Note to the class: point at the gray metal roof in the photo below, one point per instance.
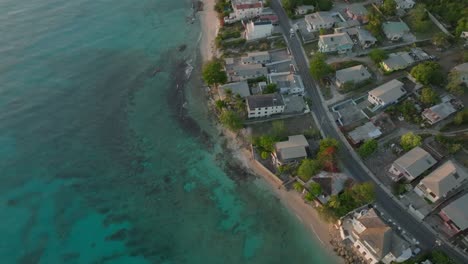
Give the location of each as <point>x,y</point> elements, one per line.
<point>264,100</point>
<point>457,212</point>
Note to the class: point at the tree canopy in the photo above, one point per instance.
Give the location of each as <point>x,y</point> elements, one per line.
<point>389,7</point>
<point>440,40</point>
<point>270,88</point>
<point>368,147</point>
<point>375,24</point>
<point>213,72</point>
<point>315,189</point>
<point>428,72</point>
<point>308,168</point>
<point>410,140</point>
<point>429,97</point>
<point>455,84</point>
<point>461,117</point>
<point>419,19</point>
<point>378,55</point>
<point>328,142</point>
<point>231,120</point>
<point>319,67</point>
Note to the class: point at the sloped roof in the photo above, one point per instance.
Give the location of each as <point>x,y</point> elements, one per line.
<point>398,60</point>
<point>331,183</point>
<point>294,147</point>
<point>461,67</point>
<point>416,161</point>
<point>439,112</point>
<point>364,132</point>
<point>390,91</point>
<point>358,10</point>
<point>377,234</point>
<point>356,74</point>
<point>241,88</point>
<point>391,27</point>
<point>457,212</point>
<point>445,178</point>
<point>336,39</point>
<point>319,18</point>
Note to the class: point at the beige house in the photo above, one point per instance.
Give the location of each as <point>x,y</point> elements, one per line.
<point>290,151</point>
<point>338,42</point>
<point>412,164</point>
<point>373,238</point>
<point>397,61</point>
<point>441,181</point>
<point>387,93</point>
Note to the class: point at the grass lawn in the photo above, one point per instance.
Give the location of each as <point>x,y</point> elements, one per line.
<point>294,125</point>
<point>310,47</point>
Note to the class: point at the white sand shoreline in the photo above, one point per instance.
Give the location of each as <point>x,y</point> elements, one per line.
<point>307,215</point>
<point>209,25</point>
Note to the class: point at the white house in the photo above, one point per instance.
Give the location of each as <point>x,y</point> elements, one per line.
<point>365,38</point>
<point>447,177</point>
<point>244,9</point>
<point>438,112</point>
<point>412,164</point>
<point>373,238</point>
<point>287,82</point>
<point>395,30</point>
<point>319,20</point>
<point>264,105</point>
<point>290,151</point>
<point>258,29</point>
<point>356,74</point>
<point>304,9</point>
<point>387,93</point>
<point>261,57</point>
<point>462,70</point>
<point>404,4</point>
<point>338,42</point>
<point>364,132</point>
<point>397,61</point>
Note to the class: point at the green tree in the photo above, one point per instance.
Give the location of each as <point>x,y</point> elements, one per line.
<point>231,120</point>
<point>298,186</point>
<point>428,72</point>
<point>429,96</point>
<point>328,142</point>
<point>419,19</point>
<point>322,31</point>
<point>410,140</point>
<point>309,197</point>
<point>461,117</point>
<point>455,84</point>
<point>440,40</point>
<point>270,88</point>
<point>364,192</point>
<point>308,168</point>
<point>439,257</point>
<point>375,23</point>
<point>318,66</point>
<point>368,147</point>
<point>389,7</point>
<point>462,25</point>
<point>265,143</point>
<point>334,202</point>
<point>264,155</point>
<point>213,73</point>
<point>315,189</point>
<point>378,55</point>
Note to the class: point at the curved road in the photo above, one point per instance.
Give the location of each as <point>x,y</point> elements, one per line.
<point>425,236</point>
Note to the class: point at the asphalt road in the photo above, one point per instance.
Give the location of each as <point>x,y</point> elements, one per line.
<point>396,212</point>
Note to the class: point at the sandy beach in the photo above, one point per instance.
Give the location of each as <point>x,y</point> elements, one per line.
<point>306,214</point>
<point>209,24</point>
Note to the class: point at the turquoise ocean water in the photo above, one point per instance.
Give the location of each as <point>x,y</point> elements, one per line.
<point>95,166</point>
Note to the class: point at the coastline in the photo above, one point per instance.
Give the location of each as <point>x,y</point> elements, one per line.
<point>209,29</point>
<point>305,213</point>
